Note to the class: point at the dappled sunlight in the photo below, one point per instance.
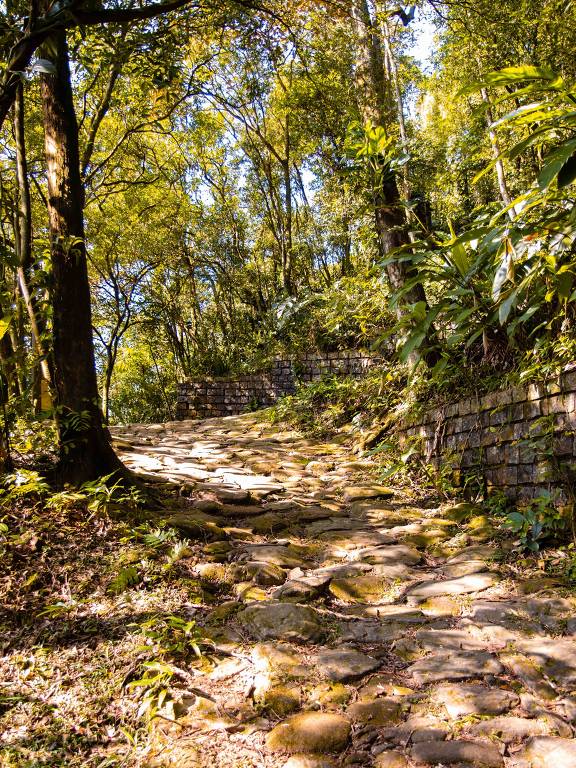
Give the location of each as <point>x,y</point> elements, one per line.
<point>335,616</point>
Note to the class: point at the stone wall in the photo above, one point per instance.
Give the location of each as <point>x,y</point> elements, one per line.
<point>520,440</point>
<point>202,398</point>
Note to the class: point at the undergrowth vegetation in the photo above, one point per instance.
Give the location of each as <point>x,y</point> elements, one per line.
<point>97,627</point>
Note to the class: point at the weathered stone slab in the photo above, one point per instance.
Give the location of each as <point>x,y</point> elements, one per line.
<point>454,666</point>
<point>354,539</point>
<point>344,665</point>
<point>333,524</point>
<point>310,732</point>
<point>530,674</point>
<point>391,554</point>
<point>478,552</point>
<point>468,699</point>
<point>467,568</point>
<point>378,713</point>
<point>555,656</point>
<point>448,639</point>
<point>280,659</point>
<point>343,571</point>
<point>287,621</point>
<point>393,573</point>
<point>310,761</point>
<point>301,589</point>
<point>265,574</point>
<point>415,729</point>
<point>464,585</point>
<point>270,522</point>
<point>370,632</point>
<point>549,752</point>
<point>360,589</point>
<point>471,753</point>
<point>362,492</point>
<point>197,526</point>
<point>510,729</point>
<point>390,760</point>
<point>285,557</point>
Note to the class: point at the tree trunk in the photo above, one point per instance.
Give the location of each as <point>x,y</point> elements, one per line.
<point>393,68</point>
<point>505,195</point>
<point>85,450</point>
<point>390,221</point>
<point>23,234</point>
<point>287,234</point>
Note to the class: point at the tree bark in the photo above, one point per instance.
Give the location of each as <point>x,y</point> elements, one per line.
<point>85,450</point>
<point>390,220</point>
<point>505,195</point>
<point>23,234</point>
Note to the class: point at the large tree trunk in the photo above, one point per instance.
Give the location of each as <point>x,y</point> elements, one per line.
<point>389,217</point>
<point>85,450</point>
<point>23,235</point>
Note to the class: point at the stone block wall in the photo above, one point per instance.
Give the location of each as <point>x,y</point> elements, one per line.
<point>520,440</point>
<point>203,398</point>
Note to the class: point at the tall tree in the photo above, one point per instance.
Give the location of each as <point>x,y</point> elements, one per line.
<point>85,450</point>
<point>389,208</point>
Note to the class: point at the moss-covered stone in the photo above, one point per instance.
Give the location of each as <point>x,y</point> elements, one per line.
<point>281,700</point>
<point>270,522</point>
<point>359,589</point>
<point>196,526</point>
<point>223,612</point>
<point>271,620</point>
<point>378,713</point>
<point>359,493</point>
<point>248,592</point>
<point>316,732</point>
<point>330,695</point>
<point>461,512</point>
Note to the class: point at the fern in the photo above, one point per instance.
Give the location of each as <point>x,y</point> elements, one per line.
<point>125,578</point>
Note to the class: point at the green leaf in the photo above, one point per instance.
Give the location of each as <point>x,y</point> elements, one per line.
<point>567,173</point>
<point>126,577</point>
<point>414,341</point>
<point>525,109</point>
<point>485,170</point>
<point>514,76</point>
<point>5,325</point>
<point>555,162</point>
<point>419,311</point>
<point>501,274</point>
<point>523,145</point>
<point>460,259</point>
<point>564,283</point>
<point>506,306</point>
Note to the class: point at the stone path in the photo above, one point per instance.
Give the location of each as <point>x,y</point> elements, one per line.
<point>351,624</point>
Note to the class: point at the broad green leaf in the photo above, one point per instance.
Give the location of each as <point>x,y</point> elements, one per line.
<point>484,171</point>
<point>567,173</point>
<point>555,161</point>
<point>460,259</point>
<point>419,311</point>
<point>501,274</point>
<point>514,76</point>
<point>523,145</point>
<point>506,306</point>
<point>564,283</point>
<point>413,342</point>
<point>525,109</point>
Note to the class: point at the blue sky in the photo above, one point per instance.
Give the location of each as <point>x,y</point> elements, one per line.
<point>423,47</point>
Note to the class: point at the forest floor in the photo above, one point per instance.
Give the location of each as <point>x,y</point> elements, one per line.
<point>284,610</point>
